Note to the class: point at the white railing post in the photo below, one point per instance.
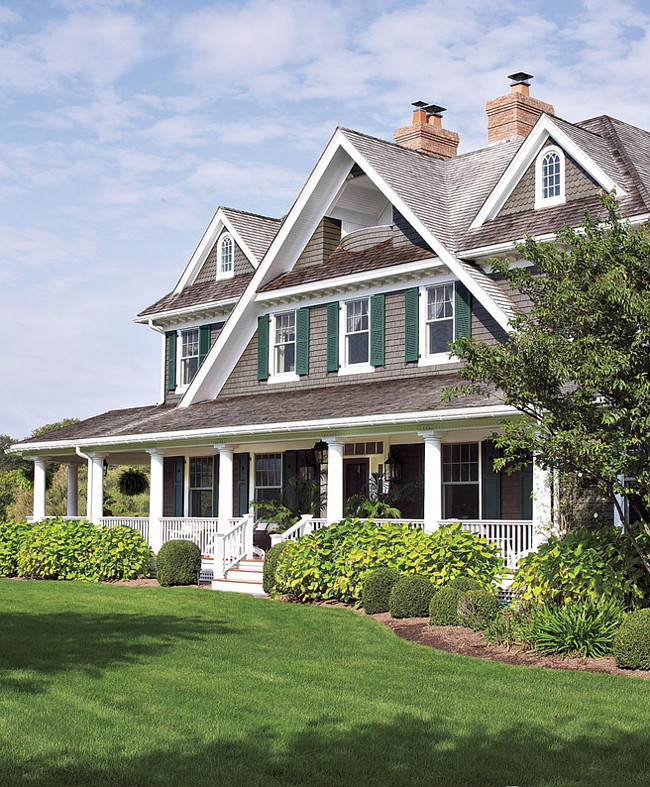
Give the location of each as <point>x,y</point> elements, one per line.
<point>432,480</point>
<point>218,563</point>
<point>39,488</point>
<point>334,479</point>
<point>73,489</point>
<point>156,489</point>
<point>226,501</point>
<point>249,525</point>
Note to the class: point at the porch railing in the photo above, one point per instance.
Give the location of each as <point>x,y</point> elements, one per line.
<point>201,530</point>
<point>233,546</point>
<point>139,523</point>
<point>513,537</point>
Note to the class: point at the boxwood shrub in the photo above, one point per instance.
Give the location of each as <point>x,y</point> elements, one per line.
<point>465,583</point>
<point>270,562</point>
<point>12,534</point>
<point>377,587</point>
<point>443,609</point>
<point>410,597</point>
<point>477,608</point>
<point>178,562</point>
<point>332,563</point>
<point>632,644</point>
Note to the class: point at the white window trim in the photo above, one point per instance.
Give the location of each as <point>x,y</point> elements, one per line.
<point>560,199</point>
<point>180,387</point>
<point>275,376</point>
<point>225,274</point>
<point>436,359</point>
<point>344,367</point>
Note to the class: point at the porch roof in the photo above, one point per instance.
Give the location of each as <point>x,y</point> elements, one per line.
<point>288,408</point>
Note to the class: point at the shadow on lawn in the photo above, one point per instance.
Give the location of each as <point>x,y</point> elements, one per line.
<point>407,751</point>
<point>58,642</point>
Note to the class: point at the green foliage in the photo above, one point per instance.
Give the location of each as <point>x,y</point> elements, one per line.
<point>59,549</point>
<point>276,513</point>
<point>576,366</point>
<point>121,553</point>
<point>270,562</point>
<point>332,563</point>
<point>632,644</point>
<point>583,627</point>
<point>443,609</point>
<point>178,562</point>
<point>410,597</point>
<point>477,608</point>
<point>465,583</point>
<point>361,506</point>
<point>583,564</point>
<point>12,535</point>
<point>376,589</point>
<point>133,481</point>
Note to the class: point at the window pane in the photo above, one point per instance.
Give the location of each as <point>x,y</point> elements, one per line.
<point>358,348</point>
<point>461,501</point>
<point>441,333</point>
<point>285,342</point>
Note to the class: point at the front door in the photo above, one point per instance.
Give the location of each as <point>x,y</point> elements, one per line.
<point>355,477</point>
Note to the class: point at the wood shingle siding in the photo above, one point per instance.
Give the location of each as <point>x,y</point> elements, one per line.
<point>322,243</point>
<point>208,271</point>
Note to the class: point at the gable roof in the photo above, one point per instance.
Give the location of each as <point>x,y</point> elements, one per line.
<point>255,230</point>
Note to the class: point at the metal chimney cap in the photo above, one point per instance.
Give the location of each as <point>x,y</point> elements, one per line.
<point>520,78</point>
<point>419,104</point>
<point>434,109</point>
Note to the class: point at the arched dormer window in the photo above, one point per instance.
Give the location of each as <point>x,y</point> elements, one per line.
<point>549,177</point>
<point>226,265</point>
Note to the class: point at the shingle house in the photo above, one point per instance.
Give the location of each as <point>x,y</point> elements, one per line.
<point>316,346</point>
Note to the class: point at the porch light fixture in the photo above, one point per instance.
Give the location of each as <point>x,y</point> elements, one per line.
<point>393,469</point>
<point>320,452</point>
<point>105,468</point>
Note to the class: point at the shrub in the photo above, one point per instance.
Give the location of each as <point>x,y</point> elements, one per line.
<point>332,563</point>
<point>377,587</point>
<point>465,583</point>
<point>410,597</point>
<point>121,553</point>
<point>59,549</point>
<point>12,535</point>
<point>443,609</point>
<point>582,627</point>
<point>477,608</point>
<point>270,562</point>
<point>632,644</point>
<point>584,564</point>
<point>178,562</point>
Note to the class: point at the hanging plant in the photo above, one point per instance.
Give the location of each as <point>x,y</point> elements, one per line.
<point>133,481</point>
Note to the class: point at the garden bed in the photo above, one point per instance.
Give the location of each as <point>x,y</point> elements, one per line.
<point>465,642</point>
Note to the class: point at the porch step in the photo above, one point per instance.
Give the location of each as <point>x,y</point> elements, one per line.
<point>238,586</point>
<point>254,564</point>
<point>245,574</point>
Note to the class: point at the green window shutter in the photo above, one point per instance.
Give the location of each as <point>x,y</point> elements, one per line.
<point>377,330</point>
<point>263,347</point>
<point>171,361</point>
<point>490,481</point>
<point>289,474</point>
<point>463,312</point>
<point>411,324</point>
<point>333,337</point>
<point>241,491</point>
<point>204,342</point>
<point>179,477</point>
<point>302,341</point>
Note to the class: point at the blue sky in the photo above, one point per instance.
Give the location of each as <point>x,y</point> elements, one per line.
<point>126,124</point>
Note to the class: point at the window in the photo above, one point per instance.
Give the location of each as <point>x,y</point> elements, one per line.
<point>460,481</point>
<point>549,177</point>
<point>200,486</point>
<point>226,257</point>
<point>189,357</point>
<point>439,319</point>
<point>268,477</point>
<point>356,333</point>
<point>284,343</point>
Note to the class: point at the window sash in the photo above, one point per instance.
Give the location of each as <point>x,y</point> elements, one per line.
<point>189,358</point>
<point>460,480</point>
<point>551,176</point>
<point>268,476</point>
<point>284,346</point>
<point>357,332</point>
<point>226,256</point>
<point>200,486</point>
<point>439,321</point>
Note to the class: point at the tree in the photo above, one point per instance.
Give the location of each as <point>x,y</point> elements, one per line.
<point>577,365</point>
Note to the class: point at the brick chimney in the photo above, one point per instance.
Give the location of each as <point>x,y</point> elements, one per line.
<point>426,133</point>
<point>514,115</point>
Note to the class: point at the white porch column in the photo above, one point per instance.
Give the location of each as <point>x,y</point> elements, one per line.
<point>156,488</point>
<point>225,487</point>
<point>97,490</point>
<point>334,479</point>
<point>432,480</point>
<point>73,489</point>
<point>39,488</point>
<point>542,504</point>
<point>89,491</point>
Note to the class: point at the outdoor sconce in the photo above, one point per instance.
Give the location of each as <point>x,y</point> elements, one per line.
<point>393,469</point>
<point>320,452</point>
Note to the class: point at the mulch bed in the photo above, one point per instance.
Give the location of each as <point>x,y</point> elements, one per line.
<point>465,642</point>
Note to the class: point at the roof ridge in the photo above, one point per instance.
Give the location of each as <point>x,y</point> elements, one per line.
<point>250,213</point>
<point>629,163</point>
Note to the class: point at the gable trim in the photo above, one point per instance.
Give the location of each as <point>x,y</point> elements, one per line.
<point>526,155</point>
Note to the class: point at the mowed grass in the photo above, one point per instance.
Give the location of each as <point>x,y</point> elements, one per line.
<point>104,685</point>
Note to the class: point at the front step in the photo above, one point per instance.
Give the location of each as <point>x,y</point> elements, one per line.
<point>246,577</point>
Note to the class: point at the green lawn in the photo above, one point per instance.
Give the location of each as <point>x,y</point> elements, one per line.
<point>146,686</point>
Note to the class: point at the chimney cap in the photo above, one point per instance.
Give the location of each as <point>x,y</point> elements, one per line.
<point>418,104</point>
<point>520,78</point>
<point>434,109</point>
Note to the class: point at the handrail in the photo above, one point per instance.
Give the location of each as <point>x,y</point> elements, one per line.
<point>232,547</point>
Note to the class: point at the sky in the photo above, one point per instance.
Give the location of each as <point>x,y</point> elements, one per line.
<point>126,124</point>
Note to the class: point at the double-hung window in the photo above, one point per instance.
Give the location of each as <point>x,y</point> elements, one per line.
<point>356,337</point>
<point>200,486</point>
<point>189,356</point>
<point>439,319</point>
<point>268,477</point>
<point>460,481</point>
<point>284,343</point>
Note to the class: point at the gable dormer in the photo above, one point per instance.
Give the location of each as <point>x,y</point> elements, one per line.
<point>225,260</point>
